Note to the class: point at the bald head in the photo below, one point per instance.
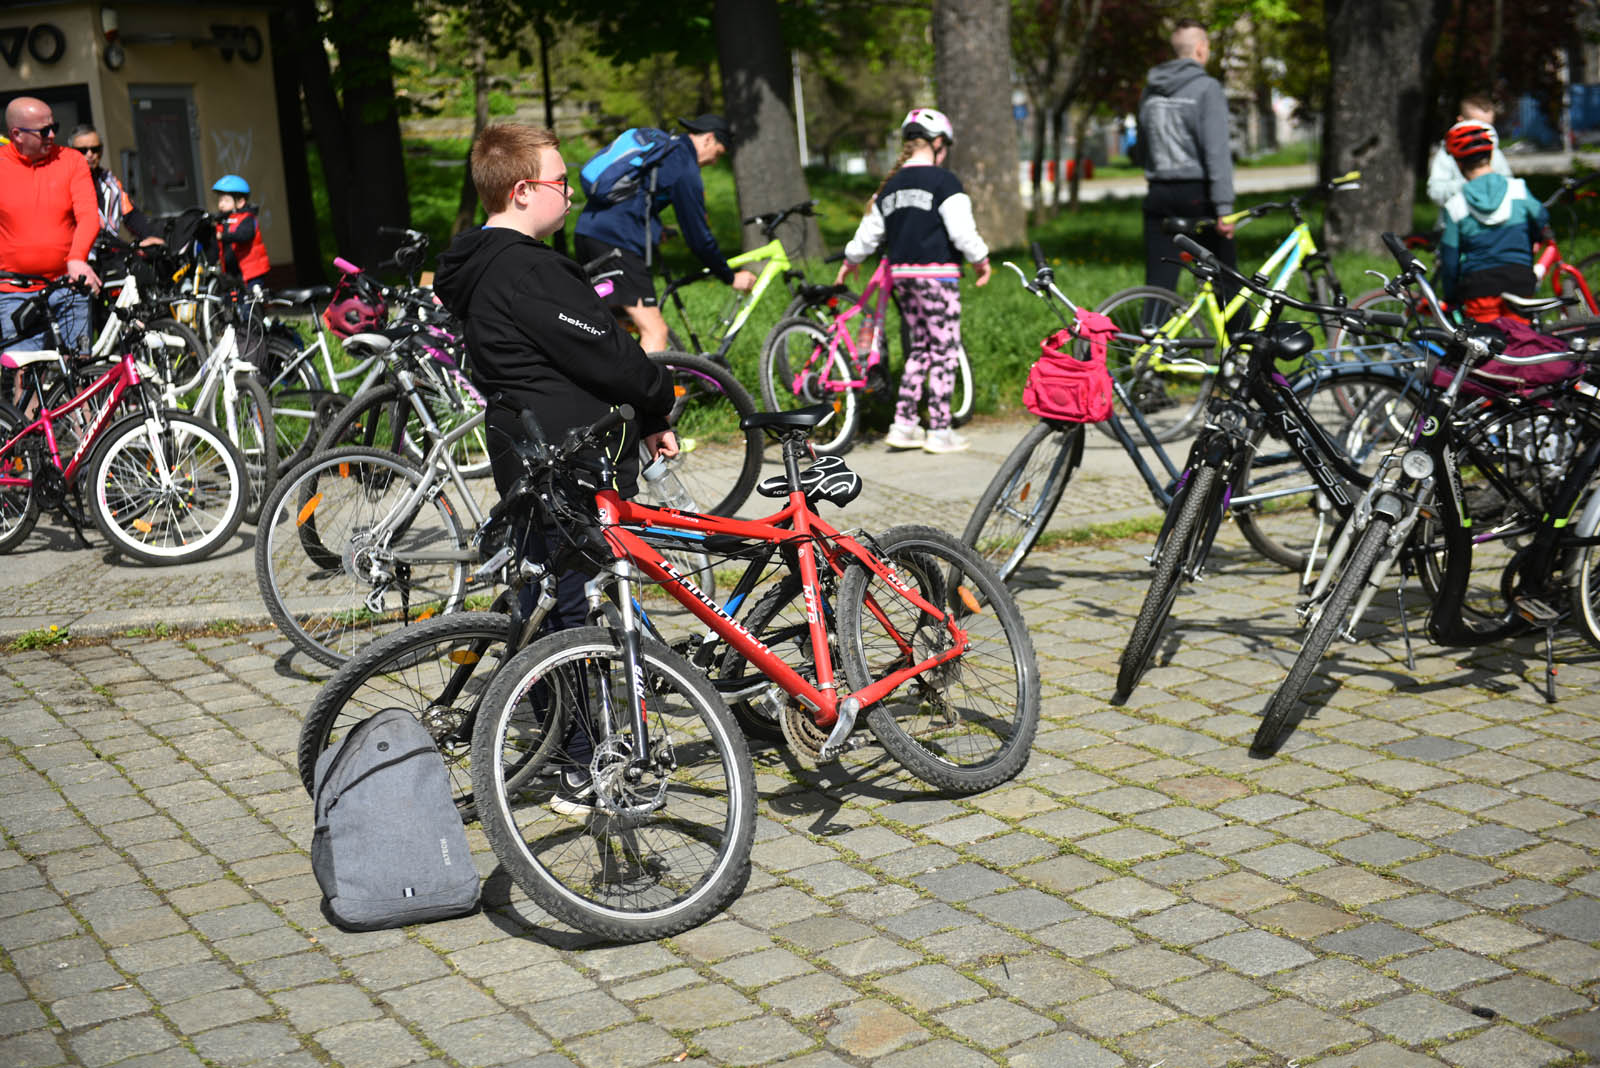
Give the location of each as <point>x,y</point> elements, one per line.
<point>27,122</point>
<point>1190,41</point>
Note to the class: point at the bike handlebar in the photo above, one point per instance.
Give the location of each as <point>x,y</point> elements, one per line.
<point>1570,185</point>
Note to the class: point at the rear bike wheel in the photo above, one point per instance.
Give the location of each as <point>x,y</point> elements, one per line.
<point>1020,499</point>
<point>1514,459</point>
<point>660,849</point>
<point>1583,572</point>
<point>1365,412</point>
<point>1285,709</point>
<point>330,582</point>
<point>797,371</point>
<point>253,431</point>
<point>718,460</point>
<point>1178,554</point>
<point>19,504</point>
<point>166,490</point>
<point>966,725</point>
<point>1170,401</point>
<point>437,670</point>
<point>297,393</point>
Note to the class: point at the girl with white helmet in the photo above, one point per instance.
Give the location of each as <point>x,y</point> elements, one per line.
<point>922,220</point>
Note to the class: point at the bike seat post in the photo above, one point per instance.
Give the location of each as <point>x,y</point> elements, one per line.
<point>794,443</point>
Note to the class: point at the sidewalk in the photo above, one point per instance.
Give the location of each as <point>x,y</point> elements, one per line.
<point>1411,883</point>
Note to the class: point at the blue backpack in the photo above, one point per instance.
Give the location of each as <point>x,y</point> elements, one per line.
<point>617,172</point>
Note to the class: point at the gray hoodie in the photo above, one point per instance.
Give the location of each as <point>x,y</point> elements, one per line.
<point>1183,130</point>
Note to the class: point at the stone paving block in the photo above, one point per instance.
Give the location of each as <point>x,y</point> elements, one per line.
<point>876,954</point>
<point>1144,967</point>
<point>1381,1055</point>
<point>1303,919</point>
<point>870,1028</point>
<point>1062,1050</point>
<point>1332,983</point>
<point>963,882</point>
<point>566,1016</point>
<point>1116,1012</point>
<point>1240,892</point>
<point>1187,1042</point>
<point>1446,969</point>
<point>1291,1028</point>
<point>1565,961</point>
<point>1485,934</point>
<point>1487,840</point>
<point>323,1005</point>
<point>1419,910</point>
<point>767,1039</point>
<point>1085,937</point>
<point>994,1023</point>
<point>1124,898</point>
<point>928,918</point>
<point>1011,850</point>
<point>973,944</point>
<point>1524,999</point>
<point>1448,873</point>
<point>1025,908</point>
<point>35,1049</point>
<point>1577,918</point>
<point>1415,1019</point>
<point>1188,924</point>
<point>1042,979</point>
<point>1069,824</point>
<point>81,1010</point>
<point>929,987</point>
<point>372,1044</point>
<point>1500,1047</point>
<point>807,994</point>
<point>1372,942</point>
<point>1063,874</point>
<point>919,860</point>
<point>504,1038</point>
<point>942,1051</point>
<point>119,1040</point>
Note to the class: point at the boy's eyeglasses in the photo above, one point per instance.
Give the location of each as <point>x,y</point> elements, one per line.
<point>40,131</point>
<point>561,183</point>
<point>86,149</point>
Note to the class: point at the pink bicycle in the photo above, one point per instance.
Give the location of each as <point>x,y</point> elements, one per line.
<point>839,363</point>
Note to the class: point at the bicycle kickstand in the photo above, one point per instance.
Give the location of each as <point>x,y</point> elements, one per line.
<point>1405,624</point>
<point>1540,614</point>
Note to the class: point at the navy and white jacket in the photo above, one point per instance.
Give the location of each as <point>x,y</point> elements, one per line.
<point>922,219</point>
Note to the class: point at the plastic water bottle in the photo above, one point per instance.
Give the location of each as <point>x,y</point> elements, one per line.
<point>665,485</point>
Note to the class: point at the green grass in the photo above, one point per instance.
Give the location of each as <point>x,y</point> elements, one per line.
<point>39,638</point>
<point>1096,251</point>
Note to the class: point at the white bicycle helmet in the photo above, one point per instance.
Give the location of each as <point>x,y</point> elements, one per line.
<point>928,124</point>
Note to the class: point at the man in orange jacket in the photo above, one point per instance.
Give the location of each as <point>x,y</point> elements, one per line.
<point>48,222</point>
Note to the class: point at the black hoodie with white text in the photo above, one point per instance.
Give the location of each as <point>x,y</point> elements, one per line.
<point>539,336</point>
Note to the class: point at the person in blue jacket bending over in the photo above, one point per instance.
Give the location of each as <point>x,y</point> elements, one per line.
<point>633,227</point>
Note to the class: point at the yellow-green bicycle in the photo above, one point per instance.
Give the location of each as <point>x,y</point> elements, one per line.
<point>1171,394</point>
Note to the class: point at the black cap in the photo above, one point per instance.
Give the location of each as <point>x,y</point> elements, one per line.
<point>711,124</point>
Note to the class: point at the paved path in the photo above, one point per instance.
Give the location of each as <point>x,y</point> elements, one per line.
<point>1412,882</point>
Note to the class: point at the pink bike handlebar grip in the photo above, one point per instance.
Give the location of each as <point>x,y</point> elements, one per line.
<point>345,265</point>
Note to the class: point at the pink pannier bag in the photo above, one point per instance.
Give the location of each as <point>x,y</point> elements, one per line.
<point>1067,389</point>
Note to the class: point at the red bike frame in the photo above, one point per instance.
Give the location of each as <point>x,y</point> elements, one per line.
<point>120,378</point>
<point>1549,262</point>
<point>795,525</point>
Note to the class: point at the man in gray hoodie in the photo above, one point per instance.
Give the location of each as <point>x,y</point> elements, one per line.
<point>1184,146</point>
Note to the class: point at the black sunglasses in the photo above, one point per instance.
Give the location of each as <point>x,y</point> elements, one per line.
<point>86,149</point>
<point>53,128</point>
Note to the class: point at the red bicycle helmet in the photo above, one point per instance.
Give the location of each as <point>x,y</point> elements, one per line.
<point>1467,139</point>
<point>351,313</point>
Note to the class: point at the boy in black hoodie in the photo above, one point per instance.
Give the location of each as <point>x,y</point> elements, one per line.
<point>539,337</point>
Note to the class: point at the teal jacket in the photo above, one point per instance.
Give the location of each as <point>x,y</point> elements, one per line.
<point>1489,226</point>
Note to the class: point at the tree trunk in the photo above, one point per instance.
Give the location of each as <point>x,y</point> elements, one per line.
<point>972,69</point>
<point>757,80</point>
<point>1036,171</point>
<point>1374,115</point>
<point>467,205</point>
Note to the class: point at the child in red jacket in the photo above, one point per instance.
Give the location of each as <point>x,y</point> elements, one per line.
<point>239,233</point>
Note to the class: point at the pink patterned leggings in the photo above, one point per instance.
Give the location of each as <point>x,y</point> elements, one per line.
<point>932,311</point>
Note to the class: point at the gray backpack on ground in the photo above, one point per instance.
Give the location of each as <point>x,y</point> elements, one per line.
<point>389,848</point>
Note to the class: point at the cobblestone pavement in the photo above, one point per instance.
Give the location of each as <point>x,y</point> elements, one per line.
<point>1411,882</point>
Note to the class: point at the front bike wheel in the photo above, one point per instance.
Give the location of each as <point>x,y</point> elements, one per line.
<point>797,371</point>
<point>1178,554</point>
<point>1022,496</point>
<point>253,430</point>
<point>333,581</point>
<point>962,396</point>
<point>167,490</point>
<point>1285,710</point>
<point>437,670</point>
<point>19,506</point>
<point>718,460</point>
<point>1171,401</point>
<point>967,724</point>
<point>1364,412</point>
<point>661,848</point>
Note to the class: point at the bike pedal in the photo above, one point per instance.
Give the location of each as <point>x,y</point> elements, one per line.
<point>1536,611</point>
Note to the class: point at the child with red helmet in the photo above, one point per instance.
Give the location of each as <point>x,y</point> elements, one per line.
<point>1490,226</point>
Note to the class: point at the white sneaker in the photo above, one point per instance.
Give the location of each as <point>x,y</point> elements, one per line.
<point>905,436</point>
<point>944,441</point>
